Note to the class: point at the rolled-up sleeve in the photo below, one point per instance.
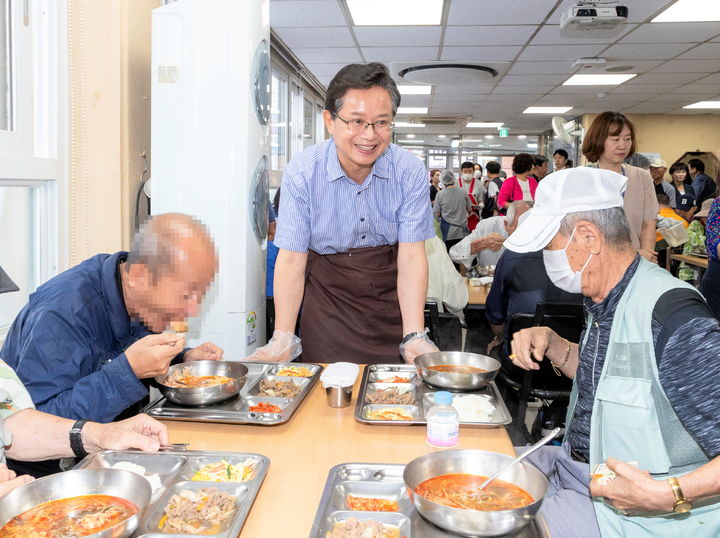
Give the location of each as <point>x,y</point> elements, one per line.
<point>415,218</point>
<point>293,223</point>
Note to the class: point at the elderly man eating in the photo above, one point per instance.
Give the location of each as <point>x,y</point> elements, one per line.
<point>645,373</point>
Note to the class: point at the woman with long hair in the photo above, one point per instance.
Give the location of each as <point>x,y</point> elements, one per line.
<point>434,183</point>
<point>608,142</point>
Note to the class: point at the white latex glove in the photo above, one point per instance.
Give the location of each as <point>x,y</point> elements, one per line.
<point>282,347</point>
<point>417,346</point>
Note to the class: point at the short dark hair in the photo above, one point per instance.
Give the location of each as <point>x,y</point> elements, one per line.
<point>605,125</point>
<point>492,167</point>
<point>561,152</point>
<point>360,77</point>
<point>523,162</point>
<point>539,160</point>
<point>678,166</point>
<point>663,199</point>
<point>697,164</point>
<point>467,164</point>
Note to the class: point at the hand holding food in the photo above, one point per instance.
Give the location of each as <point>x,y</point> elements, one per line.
<point>282,347</point>
<point>140,431</point>
<point>633,490</point>
<point>204,352</point>
<point>416,346</point>
<point>8,480</point>
<point>150,356</point>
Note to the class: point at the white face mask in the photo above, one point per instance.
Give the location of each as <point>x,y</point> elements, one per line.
<point>477,174</point>
<point>467,177</point>
<point>559,271</point>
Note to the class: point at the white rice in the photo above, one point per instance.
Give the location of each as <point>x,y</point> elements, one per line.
<point>473,407</point>
<point>153,479</point>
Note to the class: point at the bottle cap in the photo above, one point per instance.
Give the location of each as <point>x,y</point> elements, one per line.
<point>443,397</point>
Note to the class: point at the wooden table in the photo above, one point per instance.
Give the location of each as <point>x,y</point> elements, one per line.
<point>690,259</point>
<point>477,295</point>
<point>303,450</point>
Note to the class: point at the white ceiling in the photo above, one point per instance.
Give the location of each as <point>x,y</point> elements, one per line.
<point>677,63</point>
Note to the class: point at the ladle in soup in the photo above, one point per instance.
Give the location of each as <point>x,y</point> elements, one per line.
<point>545,440</point>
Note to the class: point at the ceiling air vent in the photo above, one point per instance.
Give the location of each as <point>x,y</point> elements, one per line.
<point>441,73</point>
<point>458,121</point>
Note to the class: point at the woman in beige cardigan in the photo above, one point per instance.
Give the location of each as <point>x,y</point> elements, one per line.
<point>608,142</point>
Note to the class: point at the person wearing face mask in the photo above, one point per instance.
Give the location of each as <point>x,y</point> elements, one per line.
<point>645,373</point>
<point>471,182</point>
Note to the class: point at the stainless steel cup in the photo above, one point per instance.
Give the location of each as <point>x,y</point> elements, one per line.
<point>339,396</point>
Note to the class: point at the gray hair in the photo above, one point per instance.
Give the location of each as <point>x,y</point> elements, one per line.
<point>612,223</point>
<point>447,177</point>
<point>512,209</point>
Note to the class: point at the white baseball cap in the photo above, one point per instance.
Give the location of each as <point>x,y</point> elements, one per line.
<point>658,163</point>
<point>566,191</point>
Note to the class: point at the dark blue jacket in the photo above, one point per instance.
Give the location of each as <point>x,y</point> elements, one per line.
<point>67,344</point>
<point>703,187</point>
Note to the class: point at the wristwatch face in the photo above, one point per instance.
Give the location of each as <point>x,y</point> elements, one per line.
<point>681,507</point>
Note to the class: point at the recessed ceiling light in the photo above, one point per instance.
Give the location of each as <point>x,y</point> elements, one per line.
<point>522,137</point>
<point>546,109</point>
<point>411,136</point>
<point>495,145</point>
<point>410,141</point>
<point>532,146</point>
<point>597,80</point>
<point>414,90</point>
<point>395,13</point>
<point>442,136</point>
<point>704,104</point>
<point>412,110</point>
<point>690,11</point>
<point>402,124</point>
<point>484,124</point>
<point>489,136</point>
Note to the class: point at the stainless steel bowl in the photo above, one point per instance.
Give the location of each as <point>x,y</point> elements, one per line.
<point>205,395</point>
<point>478,462</point>
<point>123,484</point>
<point>452,381</point>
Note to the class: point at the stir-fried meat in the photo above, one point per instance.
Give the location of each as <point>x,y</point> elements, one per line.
<point>391,396</point>
<point>354,528</point>
<point>197,512</point>
<point>281,389</point>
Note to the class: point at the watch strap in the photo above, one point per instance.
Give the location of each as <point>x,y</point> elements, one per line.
<point>412,335</point>
<point>681,503</point>
<point>76,441</point>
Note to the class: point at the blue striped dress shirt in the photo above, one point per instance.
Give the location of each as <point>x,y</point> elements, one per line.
<point>323,210</point>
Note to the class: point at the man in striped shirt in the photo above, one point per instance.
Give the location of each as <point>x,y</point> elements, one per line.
<point>354,215</point>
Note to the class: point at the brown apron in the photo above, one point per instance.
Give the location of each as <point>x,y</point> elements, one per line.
<point>350,311</point>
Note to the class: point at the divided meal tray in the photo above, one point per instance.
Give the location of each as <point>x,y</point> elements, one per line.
<point>384,481</point>
<point>236,410</point>
<point>175,470</point>
<point>375,376</point>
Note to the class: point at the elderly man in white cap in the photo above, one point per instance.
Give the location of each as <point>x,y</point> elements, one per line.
<point>657,169</point>
<point>646,376</point>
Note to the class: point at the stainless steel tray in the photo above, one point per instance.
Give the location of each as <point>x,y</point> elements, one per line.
<point>375,376</point>
<point>175,470</point>
<point>382,481</point>
<point>236,410</point>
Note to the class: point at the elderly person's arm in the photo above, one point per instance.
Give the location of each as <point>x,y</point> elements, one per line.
<point>649,225</point>
<point>37,436</point>
<point>531,346</point>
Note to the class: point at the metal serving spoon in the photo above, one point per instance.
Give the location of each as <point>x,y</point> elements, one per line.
<point>545,440</point>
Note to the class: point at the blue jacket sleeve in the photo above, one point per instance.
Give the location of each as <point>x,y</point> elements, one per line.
<point>68,377</point>
<point>496,302</point>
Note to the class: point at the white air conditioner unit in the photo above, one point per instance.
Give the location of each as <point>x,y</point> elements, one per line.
<point>593,19</point>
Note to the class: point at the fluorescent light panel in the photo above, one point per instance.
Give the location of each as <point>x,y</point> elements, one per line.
<point>396,12</point>
<point>412,110</point>
<point>546,109</point>
<point>522,137</point>
<point>489,136</point>
<point>414,90</point>
<point>691,11</point>
<point>704,104</point>
<point>598,80</point>
<point>484,124</point>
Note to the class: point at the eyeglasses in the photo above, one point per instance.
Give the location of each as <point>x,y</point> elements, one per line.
<point>357,125</point>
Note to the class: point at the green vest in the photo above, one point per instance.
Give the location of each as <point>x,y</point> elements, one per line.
<point>632,419</point>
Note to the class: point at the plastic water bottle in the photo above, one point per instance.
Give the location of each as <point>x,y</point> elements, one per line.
<point>443,423</point>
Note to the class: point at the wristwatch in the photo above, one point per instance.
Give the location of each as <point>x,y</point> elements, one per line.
<point>681,505</point>
<point>76,442</point>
